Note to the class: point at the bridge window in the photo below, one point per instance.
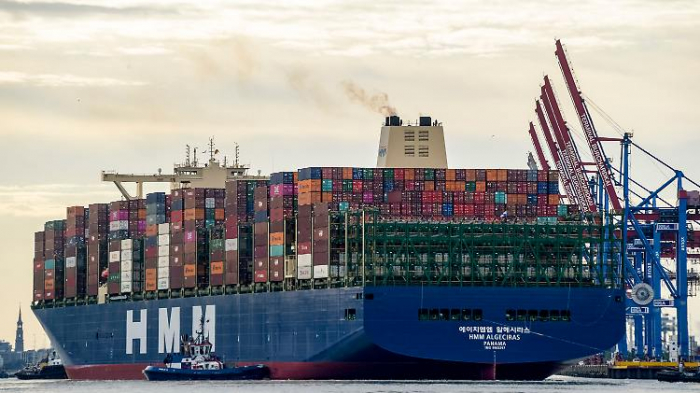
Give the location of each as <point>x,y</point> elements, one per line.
<point>510,315</point>
<point>444,314</point>
<point>350,314</point>
<point>532,315</point>
<point>522,315</point>
<point>554,315</point>
<point>478,315</point>
<point>434,314</point>
<point>565,316</point>
<point>455,314</point>
<point>544,315</point>
<point>466,314</point>
<point>423,314</point>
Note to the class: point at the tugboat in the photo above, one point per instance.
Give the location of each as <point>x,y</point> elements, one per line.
<point>50,367</point>
<point>196,361</point>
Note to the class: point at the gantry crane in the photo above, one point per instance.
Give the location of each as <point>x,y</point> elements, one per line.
<point>650,224</point>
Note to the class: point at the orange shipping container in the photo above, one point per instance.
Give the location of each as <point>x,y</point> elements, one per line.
<point>471,175</point>
<point>460,185</point>
<point>277,239</point>
<point>553,199</point>
<point>502,175</point>
<point>189,214</point>
<point>219,214</point>
<point>151,274</point>
<point>481,186</point>
<point>190,270</point>
<point>429,185</point>
<point>450,175</point>
<point>217,268</point>
<point>491,175</point>
<point>347,173</point>
<point>48,285</point>
<point>151,285</point>
<point>409,174</point>
<point>142,214</point>
<point>327,197</point>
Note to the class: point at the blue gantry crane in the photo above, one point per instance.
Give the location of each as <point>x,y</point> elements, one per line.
<point>651,229</point>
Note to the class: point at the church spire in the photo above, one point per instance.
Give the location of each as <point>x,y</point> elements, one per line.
<point>19,336</point>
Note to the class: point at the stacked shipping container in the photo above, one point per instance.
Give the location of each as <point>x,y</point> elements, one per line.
<point>261,234</point>
<point>249,232</point>
<point>75,252</point>
<point>282,207</point>
<point>177,250</point>
<point>98,246</point>
<point>38,266</point>
<point>54,241</point>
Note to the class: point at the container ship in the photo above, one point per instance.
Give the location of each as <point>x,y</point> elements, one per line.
<point>409,270</point>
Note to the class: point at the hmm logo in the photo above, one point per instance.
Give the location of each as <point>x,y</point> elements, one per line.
<point>203,318</point>
<point>382,151</point>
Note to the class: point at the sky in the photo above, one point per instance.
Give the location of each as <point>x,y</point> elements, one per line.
<point>87,86</point>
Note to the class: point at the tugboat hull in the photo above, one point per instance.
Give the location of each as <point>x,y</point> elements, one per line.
<point>259,371</point>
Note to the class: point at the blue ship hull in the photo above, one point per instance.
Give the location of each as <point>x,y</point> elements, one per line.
<point>349,333</point>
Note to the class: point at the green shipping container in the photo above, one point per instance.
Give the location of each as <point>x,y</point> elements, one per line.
<point>327,185</point>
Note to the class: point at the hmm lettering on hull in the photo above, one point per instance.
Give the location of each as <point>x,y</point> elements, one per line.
<point>169,332</point>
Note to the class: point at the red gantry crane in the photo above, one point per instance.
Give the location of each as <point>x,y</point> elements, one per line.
<point>568,149</point>
<point>538,148</point>
<point>588,128</point>
<point>554,151</point>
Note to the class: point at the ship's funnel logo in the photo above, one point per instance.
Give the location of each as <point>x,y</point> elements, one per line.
<point>382,151</point>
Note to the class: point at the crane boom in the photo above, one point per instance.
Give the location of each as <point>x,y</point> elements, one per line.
<point>569,149</point>
<point>566,180</point>
<point>588,127</point>
<point>565,158</point>
<point>538,148</point>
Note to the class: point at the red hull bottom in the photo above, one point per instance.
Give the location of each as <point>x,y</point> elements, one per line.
<point>346,371</point>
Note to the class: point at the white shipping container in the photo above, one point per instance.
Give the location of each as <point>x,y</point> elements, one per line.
<point>126,254</point>
<point>321,271</point>
<point>163,273</point>
<point>71,262</point>
<point>231,245</point>
<point>113,226</point>
<point>163,283</point>
<point>114,256</point>
<point>126,276</point>
<point>304,269</point>
<point>126,265</point>
<point>163,262</point>
<point>163,251</point>
<point>126,287</point>
<point>127,244</point>
<point>163,228</point>
<point>304,273</point>
<point>304,259</point>
<point>163,240</point>
<point>210,203</point>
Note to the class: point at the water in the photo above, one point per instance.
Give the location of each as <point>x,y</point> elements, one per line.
<point>554,384</point>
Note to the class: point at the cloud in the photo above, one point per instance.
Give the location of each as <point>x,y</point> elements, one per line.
<point>35,8</point>
<point>50,200</point>
<point>62,80</point>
